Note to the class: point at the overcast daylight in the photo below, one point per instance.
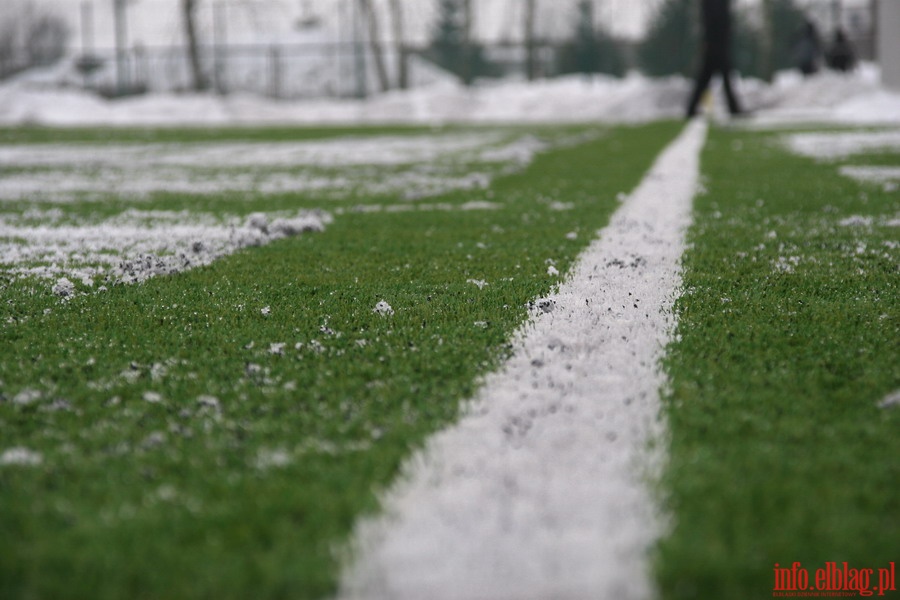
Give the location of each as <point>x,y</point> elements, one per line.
<point>449,299</point>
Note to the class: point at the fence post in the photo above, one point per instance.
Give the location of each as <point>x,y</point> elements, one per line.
<point>220,46</point>
<point>121,33</point>
<point>274,71</point>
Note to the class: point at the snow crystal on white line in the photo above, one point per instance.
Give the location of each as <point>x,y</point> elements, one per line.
<point>538,493</point>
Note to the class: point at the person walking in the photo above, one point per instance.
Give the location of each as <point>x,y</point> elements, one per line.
<point>808,49</point>
<point>716,16</point>
<point>840,55</point>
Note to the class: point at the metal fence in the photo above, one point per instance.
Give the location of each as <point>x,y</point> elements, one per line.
<point>286,71</point>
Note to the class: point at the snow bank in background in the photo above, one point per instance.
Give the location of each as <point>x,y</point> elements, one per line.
<point>634,98</point>
<point>831,97</point>
<point>537,493</point>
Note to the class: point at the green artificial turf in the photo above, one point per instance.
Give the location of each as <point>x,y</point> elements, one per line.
<point>216,433</point>
<point>788,339</point>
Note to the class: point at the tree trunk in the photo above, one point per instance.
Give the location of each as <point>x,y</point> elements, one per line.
<point>468,74</point>
<point>375,44</point>
<point>768,41</point>
<point>528,37</point>
<point>400,44</point>
<point>190,29</point>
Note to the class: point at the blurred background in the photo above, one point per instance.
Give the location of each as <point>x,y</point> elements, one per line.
<point>291,49</point>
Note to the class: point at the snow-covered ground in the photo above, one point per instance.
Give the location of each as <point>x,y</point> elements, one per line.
<point>55,174</point>
<point>59,236</point>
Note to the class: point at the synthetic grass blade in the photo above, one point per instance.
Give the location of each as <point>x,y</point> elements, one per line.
<point>784,449</point>
<point>216,433</point>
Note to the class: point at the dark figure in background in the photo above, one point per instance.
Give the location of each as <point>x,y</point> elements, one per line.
<point>808,49</point>
<point>716,54</point>
<point>840,55</point>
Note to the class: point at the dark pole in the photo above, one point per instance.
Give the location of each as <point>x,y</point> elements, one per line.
<point>768,41</point>
<point>87,28</point>
<point>219,42</point>
<point>359,56</point>
<point>121,43</point>
<point>530,59</point>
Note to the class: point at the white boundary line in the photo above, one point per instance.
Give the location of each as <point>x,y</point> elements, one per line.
<point>540,491</point>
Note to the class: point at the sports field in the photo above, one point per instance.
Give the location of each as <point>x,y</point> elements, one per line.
<point>219,347</point>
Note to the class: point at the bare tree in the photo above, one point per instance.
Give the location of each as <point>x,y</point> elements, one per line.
<point>529,39</point>
<point>30,35</point>
<point>371,18</point>
<point>468,54</point>
<point>189,10</point>
<point>400,44</point>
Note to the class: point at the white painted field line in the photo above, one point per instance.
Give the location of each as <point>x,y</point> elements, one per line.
<point>539,492</point>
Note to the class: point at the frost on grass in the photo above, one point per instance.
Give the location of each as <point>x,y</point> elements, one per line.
<point>208,402</point>
<point>21,457</point>
<point>53,244</point>
<point>63,288</point>
<point>888,177</point>
<point>26,397</point>
<point>834,145</point>
<point>383,308</point>
<point>152,397</point>
<point>857,221</point>
<point>419,166</point>
<point>268,458</point>
<point>891,401</point>
<point>137,245</point>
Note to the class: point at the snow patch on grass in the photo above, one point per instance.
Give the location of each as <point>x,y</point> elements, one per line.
<point>21,457</point>
<point>889,177</point>
<point>833,145</point>
<point>138,245</point>
<point>891,401</point>
<point>373,150</point>
<point>426,165</point>
<point>383,308</point>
